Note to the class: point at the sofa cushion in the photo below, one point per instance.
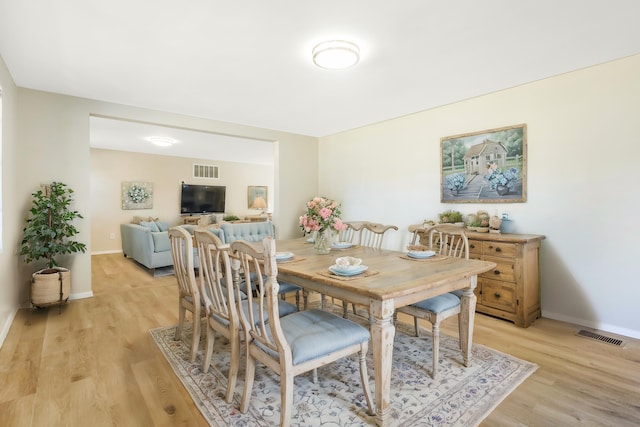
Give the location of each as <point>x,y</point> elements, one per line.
<point>137,219</point>
<point>160,241</point>
<point>150,225</point>
<point>249,231</point>
<point>162,226</point>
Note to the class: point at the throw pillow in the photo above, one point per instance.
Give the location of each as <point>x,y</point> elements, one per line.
<point>150,225</point>
<point>162,226</point>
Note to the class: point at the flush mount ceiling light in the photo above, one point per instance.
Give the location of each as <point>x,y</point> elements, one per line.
<point>336,54</point>
<point>162,141</point>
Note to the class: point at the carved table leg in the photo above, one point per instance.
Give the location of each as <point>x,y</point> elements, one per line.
<point>467,315</point>
<point>382,335</point>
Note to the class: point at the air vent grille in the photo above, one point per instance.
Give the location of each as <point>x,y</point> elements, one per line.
<point>598,337</point>
<point>206,171</point>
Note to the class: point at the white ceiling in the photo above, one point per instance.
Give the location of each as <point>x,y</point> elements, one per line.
<point>249,62</point>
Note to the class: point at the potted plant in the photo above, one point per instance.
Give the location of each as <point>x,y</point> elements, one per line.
<point>49,233</point>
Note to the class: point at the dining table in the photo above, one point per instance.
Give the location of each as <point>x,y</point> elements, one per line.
<point>392,279</point>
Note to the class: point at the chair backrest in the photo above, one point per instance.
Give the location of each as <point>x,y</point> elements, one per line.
<point>261,319</point>
<point>450,240</point>
<point>248,231</point>
<point>372,234</point>
<point>181,243</point>
<point>352,233</point>
<point>216,279</point>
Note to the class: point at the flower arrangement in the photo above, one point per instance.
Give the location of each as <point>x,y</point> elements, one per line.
<point>455,181</point>
<point>138,194</point>
<point>496,177</point>
<point>322,214</point>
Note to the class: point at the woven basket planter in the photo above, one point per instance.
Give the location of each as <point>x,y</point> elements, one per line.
<point>50,288</point>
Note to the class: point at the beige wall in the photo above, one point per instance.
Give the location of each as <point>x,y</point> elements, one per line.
<point>110,168</point>
<point>583,146</point>
<point>52,143</point>
<point>12,215</point>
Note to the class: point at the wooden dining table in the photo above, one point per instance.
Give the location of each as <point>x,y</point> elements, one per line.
<point>392,280</point>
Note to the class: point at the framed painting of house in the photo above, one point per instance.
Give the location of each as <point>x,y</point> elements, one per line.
<point>489,166</point>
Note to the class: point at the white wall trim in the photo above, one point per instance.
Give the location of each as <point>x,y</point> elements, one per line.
<point>81,295</point>
<point>6,326</point>
<point>106,252</point>
<point>593,325</point>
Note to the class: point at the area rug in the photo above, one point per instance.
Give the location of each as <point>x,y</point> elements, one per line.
<point>459,397</point>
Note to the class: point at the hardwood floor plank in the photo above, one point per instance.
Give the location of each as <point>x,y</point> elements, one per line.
<point>97,361</point>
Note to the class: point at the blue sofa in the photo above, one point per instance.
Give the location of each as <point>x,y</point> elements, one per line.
<point>148,242</point>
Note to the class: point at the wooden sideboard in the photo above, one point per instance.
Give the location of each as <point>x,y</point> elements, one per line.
<point>512,289</point>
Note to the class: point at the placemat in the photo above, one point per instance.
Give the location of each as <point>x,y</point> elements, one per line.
<point>432,258</point>
<point>367,273</point>
<point>294,259</point>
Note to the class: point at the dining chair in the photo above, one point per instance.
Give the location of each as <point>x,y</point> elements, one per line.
<point>371,235</point>
<point>189,297</point>
<point>448,240</point>
<point>216,286</point>
<point>294,344</point>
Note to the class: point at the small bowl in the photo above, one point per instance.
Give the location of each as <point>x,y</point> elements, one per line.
<point>348,261</point>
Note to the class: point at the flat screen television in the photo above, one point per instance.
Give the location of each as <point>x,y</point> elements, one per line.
<point>200,199</point>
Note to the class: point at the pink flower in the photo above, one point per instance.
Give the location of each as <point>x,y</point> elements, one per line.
<point>325,213</point>
<point>339,225</point>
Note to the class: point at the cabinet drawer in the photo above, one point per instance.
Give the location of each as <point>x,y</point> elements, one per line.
<point>507,250</point>
<point>498,295</point>
<point>475,246</point>
<point>504,270</point>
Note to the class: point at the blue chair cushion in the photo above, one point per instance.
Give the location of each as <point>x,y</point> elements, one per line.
<point>284,308</point>
<point>458,293</point>
<point>315,333</point>
<point>286,287</point>
<point>438,304</point>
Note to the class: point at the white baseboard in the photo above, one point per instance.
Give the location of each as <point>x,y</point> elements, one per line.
<point>6,325</point>
<point>81,295</point>
<point>106,252</point>
<point>593,325</point>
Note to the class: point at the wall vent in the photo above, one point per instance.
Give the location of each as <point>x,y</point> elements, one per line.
<point>206,171</point>
<point>598,337</point>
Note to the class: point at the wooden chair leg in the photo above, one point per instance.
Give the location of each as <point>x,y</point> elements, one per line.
<point>208,351</point>
<point>416,326</point>
<point>364,378</point>
<point>436,348</point>
<point>286,396</point>
<point>249,375</point>
<point>195,341</point>
<point>181,315</point>
<point>233,367</point>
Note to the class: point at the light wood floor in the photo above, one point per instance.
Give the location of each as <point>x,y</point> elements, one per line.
<point>96,364</point>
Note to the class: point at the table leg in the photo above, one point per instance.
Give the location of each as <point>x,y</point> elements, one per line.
<point>467,315</point>
<point>382,336</point>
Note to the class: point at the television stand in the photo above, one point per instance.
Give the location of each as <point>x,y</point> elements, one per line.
<point>191,219</point>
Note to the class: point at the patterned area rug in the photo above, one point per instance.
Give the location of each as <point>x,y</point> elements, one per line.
<point>459,397</point>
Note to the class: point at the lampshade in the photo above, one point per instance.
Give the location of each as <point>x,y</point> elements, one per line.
<point>336,54</point>
<point>259,203</point>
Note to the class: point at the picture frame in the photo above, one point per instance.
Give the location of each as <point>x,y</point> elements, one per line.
<point>488,166</point>
<point>259,192</point>
<point>137,195</point>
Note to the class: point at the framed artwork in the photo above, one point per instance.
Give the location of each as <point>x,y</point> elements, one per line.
<point>257,197</point>
<point>489,166</point>
<point>137,195</point>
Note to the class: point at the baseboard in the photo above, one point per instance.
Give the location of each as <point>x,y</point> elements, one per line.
<point>106,252</point>
<point>593,325</point>
<point>81,295</point>
<point>6,325</point>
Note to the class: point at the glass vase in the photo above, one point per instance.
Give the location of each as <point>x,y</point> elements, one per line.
<point>322,242</point>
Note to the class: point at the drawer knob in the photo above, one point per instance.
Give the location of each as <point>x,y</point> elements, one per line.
<point>496,272</point>
<point>498,250</point>
<point>472,246</point>
<point>497,295</point>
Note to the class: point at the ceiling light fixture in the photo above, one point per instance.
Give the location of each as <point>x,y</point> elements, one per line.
<point>162,141</point>
<point>336,54</point>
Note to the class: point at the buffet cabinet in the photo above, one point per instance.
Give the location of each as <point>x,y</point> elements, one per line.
<point>512,289</point>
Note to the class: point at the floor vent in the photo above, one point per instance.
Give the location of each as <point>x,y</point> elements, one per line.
<point>598,337</point>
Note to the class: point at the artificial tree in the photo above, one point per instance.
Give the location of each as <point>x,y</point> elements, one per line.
<point>48,233</point>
